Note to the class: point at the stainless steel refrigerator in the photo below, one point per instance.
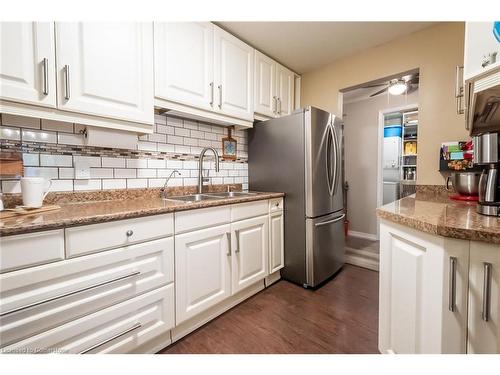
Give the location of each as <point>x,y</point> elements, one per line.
<point>302,156</point>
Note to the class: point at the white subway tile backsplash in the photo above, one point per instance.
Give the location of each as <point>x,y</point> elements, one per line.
<point>50,173</point>
<point>156,163</point>
<point>210,136</point>
<point>146,146</point>
<point>175,140</point>
<point>56,160</point>
<point>38,136</point>
<point>137,163</point>
<point>182,149</point>
<point>156,182</point>
<point>66,173</point>
<point>146,173</point>
<point>62,185</point>
<point>156,137</point>
<point>137,183</point>
<point>228,180</point>
<point>101,173</point>
<point>125,173</point>
<point>20,121</point>
<point>189,164</point>
<point>70,139</point>
<point>11,186</point>
<point>182,132</point>
<point>113,162</point>
<point>162,147</point>
<point>197,134</point>
<point>190,142</point>
<point>31,160</point>
<point>188,124</point>
<point>174,121</point>
<point>162,129</point>
<point>174,164</point>
<point>87,185</point>
<point>205,127</point>
<point>90,161</point>
<point>13,134</point>
<point>190,181</point>
<point>114,184</point>
<point>159,119</point>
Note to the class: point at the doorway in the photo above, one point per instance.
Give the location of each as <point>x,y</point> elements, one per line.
<point>364,109</point>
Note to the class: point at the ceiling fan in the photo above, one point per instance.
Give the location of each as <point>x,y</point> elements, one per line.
<point>397,86</point>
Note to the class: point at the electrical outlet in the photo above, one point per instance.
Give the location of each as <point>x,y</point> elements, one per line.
<point>82,171</point>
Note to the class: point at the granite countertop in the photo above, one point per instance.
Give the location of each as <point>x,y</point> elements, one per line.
<point>433,213</point>
<point>97,211</point>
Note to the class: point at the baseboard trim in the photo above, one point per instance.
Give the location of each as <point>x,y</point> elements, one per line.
<point>368,263</point>
<point>272,278</point>
<point>367,236</point>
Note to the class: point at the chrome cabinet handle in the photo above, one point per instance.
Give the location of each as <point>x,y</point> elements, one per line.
<point>212,94</point>
<point>67,91</point>
<point>275,105</point>
<point>279,103</point>
<point>129,233</point>
<point>237,236</point>
<point>220,96</point>
<point>330,221</point>
<point>34,304</point>
<point>228,234</point>
<point>486,291</point>
<point>452,287</point>
<point>45,66</point>
<point>93,347</point>
<point>459,89</point>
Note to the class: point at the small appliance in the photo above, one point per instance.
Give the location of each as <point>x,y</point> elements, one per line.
<point>483,122</point>
<point>466,185</point>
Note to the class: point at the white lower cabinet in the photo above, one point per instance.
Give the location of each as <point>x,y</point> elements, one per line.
<point>249,248</point>
<point>202,269</point>
<point>484,299</point>
<point>121,328</point>
<point>276,243</point>
<point>437,294</point>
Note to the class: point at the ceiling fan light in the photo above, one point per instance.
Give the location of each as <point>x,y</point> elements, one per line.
<point>398,88</point>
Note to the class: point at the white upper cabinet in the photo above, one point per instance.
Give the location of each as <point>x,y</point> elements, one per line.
<point>184,63</point>
<point>285,94</point>
<point>482,49</point>
<point>27,70</point>
<point>265,85</point>
<point>233,75</point>
<point>484,299</point>
<point>106,69</point>
<point>274,87</point>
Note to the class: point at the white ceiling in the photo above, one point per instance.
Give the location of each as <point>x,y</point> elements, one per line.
<point>305,46</point>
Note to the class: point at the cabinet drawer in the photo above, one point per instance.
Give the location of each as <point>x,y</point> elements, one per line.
<point>40,298</point>
<point>27,250</point>
<point>120,328</point>
<point>198,219</point>
<point>248,210</point>
<point>97,237</point>
<point>276,205</point>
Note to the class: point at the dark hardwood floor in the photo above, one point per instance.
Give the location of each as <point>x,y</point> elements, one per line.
<point>340,317</point>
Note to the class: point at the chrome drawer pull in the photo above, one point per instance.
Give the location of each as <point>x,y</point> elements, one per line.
<point>133,328</point>
<point>237,235</point>
<point>45,76</point>
<point>129,233</point>
<point>452,287</point>
<point>486,292</point>
<point>35,304</point>
<point>67,92</point>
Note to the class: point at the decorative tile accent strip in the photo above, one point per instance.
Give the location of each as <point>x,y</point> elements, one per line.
<point>50,149</point>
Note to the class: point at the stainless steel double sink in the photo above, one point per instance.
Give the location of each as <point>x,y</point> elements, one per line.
<point>209,196</point>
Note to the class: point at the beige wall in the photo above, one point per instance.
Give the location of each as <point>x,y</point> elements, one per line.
<point>361,156</point>
<point>435,51</point>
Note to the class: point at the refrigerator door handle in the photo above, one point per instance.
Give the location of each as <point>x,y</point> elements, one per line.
<point>330,221</point>
<point>330,140</point>
<point>337,158</point>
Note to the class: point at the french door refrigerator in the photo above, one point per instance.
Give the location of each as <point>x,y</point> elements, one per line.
<point>302,155</point>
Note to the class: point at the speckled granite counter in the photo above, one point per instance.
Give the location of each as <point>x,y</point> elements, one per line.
<point>435,213</point>
<point>96,211</point>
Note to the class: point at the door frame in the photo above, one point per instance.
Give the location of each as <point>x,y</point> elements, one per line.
<point>380,142</point>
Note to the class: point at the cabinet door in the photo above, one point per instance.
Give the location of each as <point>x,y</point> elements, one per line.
<point>285,81</point>
<point>106,69</point>
<point>249,245</point>
<point>233,75</point>
<point>27,71</point>
<point>184,63</point>
<point>265,85</point>
<point>417,294</point>
<point>484,329</point>
<point>202,269</point>
<point>276,242</point>
<point>479,43</point>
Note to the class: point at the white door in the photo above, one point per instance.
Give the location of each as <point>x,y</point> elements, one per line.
<point>484,298</point>
<point>106,69</point>
<point>27,69</point>
<point>202,269</point>
<point>421,308</point>
<point>184,63</point>
<point>265,85</point>
<point>233,75</point>
<point>285,81</point>
<point>276,242</point>
<point>249,245</point>
<point>479,43</point>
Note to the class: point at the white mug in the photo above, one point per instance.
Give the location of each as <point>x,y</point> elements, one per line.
<point>34,190</point>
